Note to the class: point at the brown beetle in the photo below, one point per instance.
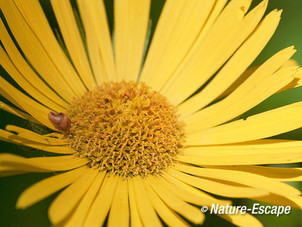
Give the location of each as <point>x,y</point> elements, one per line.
<point>59,120</point>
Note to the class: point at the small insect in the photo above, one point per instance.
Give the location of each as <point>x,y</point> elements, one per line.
<point>59,120</point>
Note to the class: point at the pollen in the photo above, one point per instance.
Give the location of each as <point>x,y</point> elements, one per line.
<point>125,128</point>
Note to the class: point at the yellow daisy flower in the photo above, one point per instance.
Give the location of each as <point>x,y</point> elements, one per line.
<point>141,142</point>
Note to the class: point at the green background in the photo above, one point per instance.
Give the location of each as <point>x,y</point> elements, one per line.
<point>289,33</point>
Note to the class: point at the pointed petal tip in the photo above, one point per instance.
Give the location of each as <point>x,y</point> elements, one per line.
<point>263,4</point>
<point>280,12</point>
<point>277,12</point>
<point>290,49</point>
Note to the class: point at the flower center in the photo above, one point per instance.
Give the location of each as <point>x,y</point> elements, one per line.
<point>125,128</point>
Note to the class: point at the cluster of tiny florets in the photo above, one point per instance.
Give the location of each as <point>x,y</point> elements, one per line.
<point>125,128</point>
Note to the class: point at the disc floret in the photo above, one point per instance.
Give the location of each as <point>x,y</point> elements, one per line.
<point>125,128</point>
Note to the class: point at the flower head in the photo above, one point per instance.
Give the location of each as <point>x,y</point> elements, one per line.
<point>145,140</point>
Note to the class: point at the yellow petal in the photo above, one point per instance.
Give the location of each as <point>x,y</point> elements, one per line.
<point>25,141</point>
<point>144,205</point>
<point>185,194</point>
<point>262,143</point>
<point>247,73</point>
<point>79,215</point>
<point>299,77</point>
<point>131,19</point>
<point>238,63</point>
<point>263,125</point>
<point>213,51</point>
<point>37,21</point>
<point>188,211</point>
<point>93,15</point>
<point>48,186</point>
<point>67,200</point>
<point>36,110</point>
<point>35,137</point>
<point>16,112</point>
<point>280,174</point>
<point>258,87</point>
<point>295,83</point>
<point>244,220</point>
<point>282,200</point>
<point>241,155</point>
<point>135,217</point>
<point>119,211</point>
<point>215,187</point>
<point>34,92</point>
<point>102,203</point>
<point>24,68</point>
<point>35,52</point>
<point>9,172</point>
<point>206,198</point>
<point>177,29</point>
<point>166,213</point>
<point>248,179</point>
<point>43,164</point>
<point>215,12</point>
<point>69,29</point>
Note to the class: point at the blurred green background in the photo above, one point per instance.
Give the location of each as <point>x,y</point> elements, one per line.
<point>289,33</point>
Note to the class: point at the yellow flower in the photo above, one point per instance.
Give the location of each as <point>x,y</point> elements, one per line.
<point>161,147</point>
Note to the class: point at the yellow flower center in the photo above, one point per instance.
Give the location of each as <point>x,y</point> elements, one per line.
<point>125,128</point>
